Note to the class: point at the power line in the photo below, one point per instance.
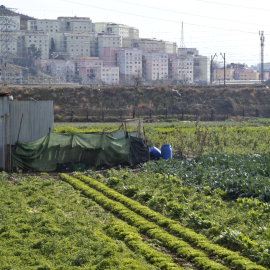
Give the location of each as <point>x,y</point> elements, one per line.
<point>190,14</point>
<point>143,16</point>
<point>238,6</point>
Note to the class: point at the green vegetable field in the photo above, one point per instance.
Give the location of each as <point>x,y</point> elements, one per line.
<point>194,138</point>
<point>208,209</point>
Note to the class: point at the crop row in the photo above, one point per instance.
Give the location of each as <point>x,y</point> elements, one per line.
<point>125,232</point>
<point>173,243</point>
<point>133,239</point>
<point>187,234</point>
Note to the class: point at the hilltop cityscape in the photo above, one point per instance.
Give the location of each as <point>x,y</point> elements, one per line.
<point>76,49</point>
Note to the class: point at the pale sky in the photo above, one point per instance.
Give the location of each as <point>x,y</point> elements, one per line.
<point>212,26</point>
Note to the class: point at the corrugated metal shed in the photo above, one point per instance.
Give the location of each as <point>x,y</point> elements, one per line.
<point>4,130</point>
<point>37,119</point>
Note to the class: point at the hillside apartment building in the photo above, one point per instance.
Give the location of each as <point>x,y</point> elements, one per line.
<point>77,37</point>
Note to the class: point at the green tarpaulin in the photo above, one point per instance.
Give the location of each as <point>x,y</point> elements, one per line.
<point>89,149</point>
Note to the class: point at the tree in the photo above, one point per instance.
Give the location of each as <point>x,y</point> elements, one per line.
<point>52,49</point>
<point>33,53</point>
<point>137,77</point>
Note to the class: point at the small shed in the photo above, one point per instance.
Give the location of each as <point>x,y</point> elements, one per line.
<point>30,120</point>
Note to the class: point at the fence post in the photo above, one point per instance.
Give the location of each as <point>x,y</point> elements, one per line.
<point>134,114</point>
<point>103,116</point>
<point>120,113</point>
<point>212,115</point>
<point>72,115</point>
<point>182,115</point>
<point>166,112</point>
<point>197,114</point>
<point>87,114</point>
<point>243,112</point>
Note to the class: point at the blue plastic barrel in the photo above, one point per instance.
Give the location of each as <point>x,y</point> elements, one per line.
<point>166,151</point>
<point>154,152</point>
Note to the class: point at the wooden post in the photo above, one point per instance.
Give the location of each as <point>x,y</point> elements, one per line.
<point>166,112</point>
<point>103,116</point>
<point>72,115</point>
<point>212,115</point>
<point>197,114</point>
<point>182,115</point>
<point>134,114</point>
<point>87,114</point>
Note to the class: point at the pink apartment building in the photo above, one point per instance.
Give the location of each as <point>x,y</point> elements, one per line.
<point>110,57</point>
<point>85,65</point>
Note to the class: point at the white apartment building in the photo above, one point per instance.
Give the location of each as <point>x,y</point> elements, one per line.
<point>266,67</point>
<point>166,46</point>
<point>50,26</point>
<point>147,44</point>
<point>10,23</point>
<point>38,38</point>
<point>201,69</point>
<point>122,30</point>
<point>93,44</point>
<point>9,41</point>
<point>129,63</point>
<point>68,24</point>
<point>62,70</point>
<point>107,40</point>
<point>181,68</point>
<point>108,75</point>
<point>175,48</point>
<point>155,66</point>
<point>74,45</point>
<point>75,24</point>
<point>134,32</point>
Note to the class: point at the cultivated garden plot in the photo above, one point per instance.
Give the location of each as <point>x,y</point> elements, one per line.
<point>46,224</point>
<point>208,209</point>
<point>241,224</point>
<point>134,213</point>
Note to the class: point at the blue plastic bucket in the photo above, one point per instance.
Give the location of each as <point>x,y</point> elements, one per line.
<point>166,151</point>
<point>154,152</point>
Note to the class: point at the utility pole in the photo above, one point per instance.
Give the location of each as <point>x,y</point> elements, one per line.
<point>261,34</point>
<point>211,71</point>
<point>223,56</point>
